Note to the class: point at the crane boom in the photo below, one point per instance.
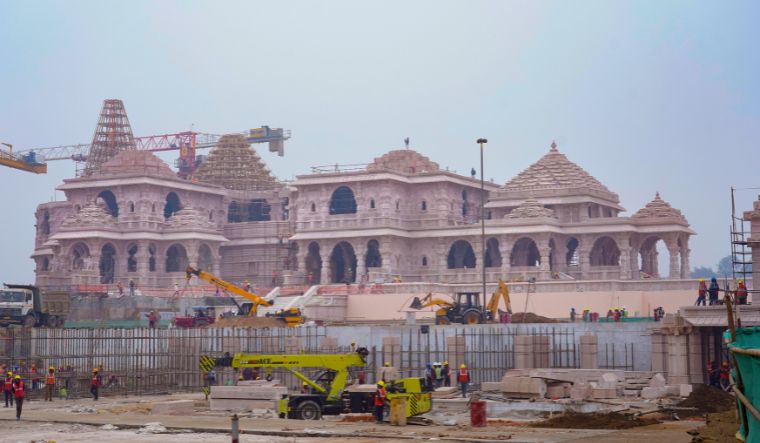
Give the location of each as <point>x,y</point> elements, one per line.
<point>24,162</point>
<point>227,286</point>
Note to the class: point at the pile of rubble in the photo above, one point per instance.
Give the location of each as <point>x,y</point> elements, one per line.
<point>584,384</point>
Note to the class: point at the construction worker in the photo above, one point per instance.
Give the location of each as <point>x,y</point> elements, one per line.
<point>463,379</point>
<point>446,372</point>
<point>713,291</point>
<point>152,318</point>
<point>712,374</point>
<point>18,394</point>
<point>429,375</point>
<point>50,384</point>
<point>438,371</point>
<point>95,383</point>
<point>35,376</point>
<point>8,389</point>
<point>572,315</point>
<point>741,292</point>
<point>379,401</point>
<point>724,381</point>
<point>305,388</point>
<point>702,293</point>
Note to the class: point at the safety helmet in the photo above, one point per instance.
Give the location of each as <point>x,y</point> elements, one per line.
<point>94,369</point>
<point>462,366</point>
<point>701,280</point>
<point>386,364</point>
<point>18,377</point>
<point>381,383</point>
<point>725,363</point>
<point>10,374</point>
<point>445,363</point>
<point>52,368</point>
<point>305,384</point>
<point>741,280</point>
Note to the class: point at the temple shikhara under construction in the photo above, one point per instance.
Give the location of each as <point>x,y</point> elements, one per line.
<point>129,216</point>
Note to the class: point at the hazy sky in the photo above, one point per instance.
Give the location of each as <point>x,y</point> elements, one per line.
<point>646,96</point>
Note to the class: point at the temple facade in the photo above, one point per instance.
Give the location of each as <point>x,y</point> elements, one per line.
<point>400,217</point>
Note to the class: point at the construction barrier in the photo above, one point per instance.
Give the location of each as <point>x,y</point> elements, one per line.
<point>746,352</point>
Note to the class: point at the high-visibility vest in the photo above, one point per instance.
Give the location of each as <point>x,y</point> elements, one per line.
<point>8,385</point>
<point>463,376</point>
<point>50,380</point>
<point>380,397</point>
<point>19,391</point>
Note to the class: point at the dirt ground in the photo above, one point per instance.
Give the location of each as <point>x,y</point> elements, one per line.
<point>612,420</point>
<point>86,421</point>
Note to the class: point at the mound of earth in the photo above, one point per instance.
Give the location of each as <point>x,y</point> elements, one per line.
<point>708,399</point>
<point>248,322</point>
<point>529,317</point>
<point>611,420</point>
<point>719,427</point>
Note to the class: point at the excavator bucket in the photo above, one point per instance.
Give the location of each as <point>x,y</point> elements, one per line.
<point>416,303</point>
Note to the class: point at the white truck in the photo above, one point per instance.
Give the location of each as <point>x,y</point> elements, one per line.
<point>30,306</point>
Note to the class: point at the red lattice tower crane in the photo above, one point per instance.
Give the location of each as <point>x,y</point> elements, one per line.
<point>114,134</point>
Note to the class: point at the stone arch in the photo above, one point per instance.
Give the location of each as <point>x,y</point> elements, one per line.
<point>343,263</point>
<point>605,252</point>
<point>153,208</point>
<point>313,264</point>
<point>80,255</point>
<point>132,258</point>
<point>572,258</point>
<point>423,205</point>
<point>648,256</point>
<point>424,261</point>
<point>525,253</point>
<point>45,264</point>
<point>461,255</point>
<point>151,258</point>
<point>342,201</point>
<point>172,205</point>
<point>493,255</point>
<point>372,203</point>
<point>131,207</point>
<point>205,258</point>
<point>373,259</point>
<point>259,210</point>
<point>45,226</point>
<point>176,258</point>
<point>313,207</point>
<point>109,199</point>
<point>107,263</point>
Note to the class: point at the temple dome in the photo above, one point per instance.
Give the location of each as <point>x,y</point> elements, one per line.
<point>406,161</point>
<point>554,172</point>
<point>136,162</point>
<point>658,210</point>
<point>188,217</point>
<point>234,164</point>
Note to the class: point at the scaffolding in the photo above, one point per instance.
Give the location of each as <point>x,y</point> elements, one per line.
<point>741,252</point>
<point>113,134</point>
<point>234,164</point>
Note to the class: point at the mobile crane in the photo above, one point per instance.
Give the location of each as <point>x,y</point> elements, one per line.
<point>466,307</point>
<point>292,316</point>
<point>328,394</point>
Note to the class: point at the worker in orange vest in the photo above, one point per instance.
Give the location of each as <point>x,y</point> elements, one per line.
<point>464,379</point>
<point>18,394</point>
<point>379,402</point>
<point>50,384</point>
<point>8,389</point>
<point>95,383</point>
<point>741,292</point>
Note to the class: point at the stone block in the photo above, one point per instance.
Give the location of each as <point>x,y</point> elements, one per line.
<point>631,392</point>
<point>490,386</point>
<point>175,407</point>
<point>608,380</point>
<point>558,390</point>
<point>231,404</point>
<point>248,392</point>
<point>684,390</point>
<point>524,387</point>
<point>657,381</point>
<point>653,393</point>
<point>673,390</point>
<point>580,392</point>
<point>600,393</point>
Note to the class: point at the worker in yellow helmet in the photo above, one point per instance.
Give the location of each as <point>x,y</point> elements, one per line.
<point>446,374</point>
<point>379,401</point>
<point>702,293</point>
<point>95,382</point>
<point>8,389</point>
<point>19,392</point>
<point>464,379</point>
<point>741,292</point>
<point>50,384</point>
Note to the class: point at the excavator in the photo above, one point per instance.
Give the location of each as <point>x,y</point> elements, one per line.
<point>291,317</point>
<point>329,393</point>
<point>466,307</point>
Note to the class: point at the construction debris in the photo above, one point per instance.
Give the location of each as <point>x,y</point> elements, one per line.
<point>611,420</point>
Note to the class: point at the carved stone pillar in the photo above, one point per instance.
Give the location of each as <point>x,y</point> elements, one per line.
<point>142,258</point>
<point>325,274</point>
<point>675,269</point>
<point>361,260</point>
<point>625,265</point>
<point>505,249</point>
<point>685,271</point>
